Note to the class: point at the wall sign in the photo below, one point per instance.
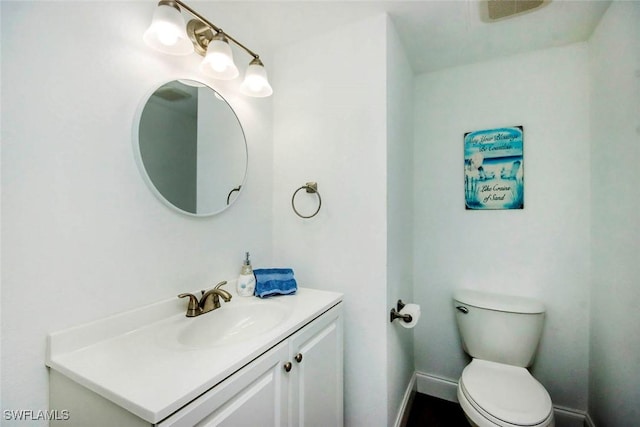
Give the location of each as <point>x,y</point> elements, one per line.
<point>494,169</point>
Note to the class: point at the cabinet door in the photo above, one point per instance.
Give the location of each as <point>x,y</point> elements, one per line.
<point>316,379</point>
<point>254,396</point>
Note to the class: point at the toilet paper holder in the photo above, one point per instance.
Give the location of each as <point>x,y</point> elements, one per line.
<point>395,313</point>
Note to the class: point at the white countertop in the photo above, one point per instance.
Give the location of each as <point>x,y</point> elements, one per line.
<point>130,359</point>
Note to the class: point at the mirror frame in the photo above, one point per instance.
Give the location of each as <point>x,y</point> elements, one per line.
<point>143,171</point>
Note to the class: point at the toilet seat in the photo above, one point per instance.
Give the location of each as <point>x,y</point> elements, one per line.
<point>494,394</point>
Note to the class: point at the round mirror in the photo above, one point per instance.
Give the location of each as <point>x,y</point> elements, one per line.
<point>191,148</point>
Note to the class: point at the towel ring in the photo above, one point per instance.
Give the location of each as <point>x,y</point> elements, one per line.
<point>311,187</point>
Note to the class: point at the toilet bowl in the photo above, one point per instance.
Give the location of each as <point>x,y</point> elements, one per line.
<point>493,394</point>
<point>501,333</point>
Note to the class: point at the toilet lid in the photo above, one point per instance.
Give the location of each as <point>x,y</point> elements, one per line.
<point>508,393</point>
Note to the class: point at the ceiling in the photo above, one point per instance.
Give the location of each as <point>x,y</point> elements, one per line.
<point>436,34</point>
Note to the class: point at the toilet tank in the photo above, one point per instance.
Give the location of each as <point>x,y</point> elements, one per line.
<point>499,328</point>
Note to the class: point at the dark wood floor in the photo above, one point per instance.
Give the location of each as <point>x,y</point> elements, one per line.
<point>428,411</point>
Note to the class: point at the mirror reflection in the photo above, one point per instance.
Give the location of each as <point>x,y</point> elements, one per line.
<point>192,148</point>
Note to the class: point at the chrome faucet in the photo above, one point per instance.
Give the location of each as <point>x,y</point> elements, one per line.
<point>209,301</point>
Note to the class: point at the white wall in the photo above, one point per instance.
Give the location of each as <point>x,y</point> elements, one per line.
<point>400,362</point>
<point>614,381</point>
<point>330,127</point>
<point>82,236</point>
<point>541,251</point>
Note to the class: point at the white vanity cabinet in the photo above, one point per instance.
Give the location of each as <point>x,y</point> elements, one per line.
<point>297,381</point>
<point>316,376</point>
<point>254,396</point>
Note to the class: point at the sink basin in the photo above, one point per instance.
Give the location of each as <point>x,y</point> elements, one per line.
<point>228,324</point>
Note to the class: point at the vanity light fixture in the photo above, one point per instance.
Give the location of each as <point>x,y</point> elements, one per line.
<point>168,34</point>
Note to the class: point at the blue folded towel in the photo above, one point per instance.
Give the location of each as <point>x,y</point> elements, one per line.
<point>274,281</point>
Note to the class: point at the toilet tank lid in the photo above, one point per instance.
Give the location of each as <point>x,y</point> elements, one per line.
<point>498,302</point>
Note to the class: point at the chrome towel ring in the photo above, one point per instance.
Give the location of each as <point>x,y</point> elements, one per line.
<point>311,187</point>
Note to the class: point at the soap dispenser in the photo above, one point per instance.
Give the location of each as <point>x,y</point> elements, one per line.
<point>246,283</point>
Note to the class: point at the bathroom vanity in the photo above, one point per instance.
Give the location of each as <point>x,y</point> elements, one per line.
<point>271,362</point>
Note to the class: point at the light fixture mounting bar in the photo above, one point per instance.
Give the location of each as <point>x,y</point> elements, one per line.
<point>215,28</point>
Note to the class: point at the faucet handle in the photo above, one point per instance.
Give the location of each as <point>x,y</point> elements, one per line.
<point>219,285</point>
<point>193,307</point>
<point>223,293</point>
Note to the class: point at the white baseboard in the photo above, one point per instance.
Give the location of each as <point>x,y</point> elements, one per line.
<point>565,417</point>
<point>447,389</point>
<point>405,405</point>
<point>442,388</point>
<point>588,422</point>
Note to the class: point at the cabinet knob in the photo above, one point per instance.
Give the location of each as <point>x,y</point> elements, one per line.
<point>287,366</point>
<point>298,357</point>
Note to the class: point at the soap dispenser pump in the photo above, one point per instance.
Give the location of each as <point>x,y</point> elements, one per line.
<point>246,283</point>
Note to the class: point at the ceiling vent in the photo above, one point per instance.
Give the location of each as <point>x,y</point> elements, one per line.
<point>171,94</point>
<point>494,10</point>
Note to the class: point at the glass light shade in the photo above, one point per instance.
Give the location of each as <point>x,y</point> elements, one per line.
<point>255,81</point>
<point>167,32</point>
<point>218,62</point>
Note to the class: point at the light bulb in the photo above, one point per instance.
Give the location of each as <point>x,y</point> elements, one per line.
<point>167,35</point>
<point>218,62</point>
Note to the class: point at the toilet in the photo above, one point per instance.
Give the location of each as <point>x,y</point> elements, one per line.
<point>501,334</point>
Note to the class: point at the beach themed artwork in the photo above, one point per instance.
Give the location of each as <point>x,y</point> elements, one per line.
<point>494,169</point>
